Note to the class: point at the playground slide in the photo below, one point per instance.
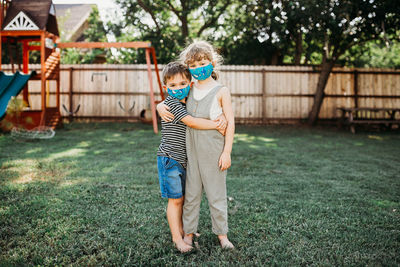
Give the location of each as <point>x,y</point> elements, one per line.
<point>11,85</point>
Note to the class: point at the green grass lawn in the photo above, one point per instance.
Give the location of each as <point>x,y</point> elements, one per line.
<point>298,196</point>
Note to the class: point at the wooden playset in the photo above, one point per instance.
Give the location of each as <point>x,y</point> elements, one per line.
<point>33,25</point>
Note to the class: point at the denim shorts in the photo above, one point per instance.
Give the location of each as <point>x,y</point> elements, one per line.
<point>172,177</point>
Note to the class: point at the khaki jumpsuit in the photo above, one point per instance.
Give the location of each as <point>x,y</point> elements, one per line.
<point>204,147</point>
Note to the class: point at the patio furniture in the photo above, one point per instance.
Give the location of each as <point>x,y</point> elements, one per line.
<point>381,116</point>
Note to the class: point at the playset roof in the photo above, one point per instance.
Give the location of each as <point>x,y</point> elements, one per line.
<point>40,12</point>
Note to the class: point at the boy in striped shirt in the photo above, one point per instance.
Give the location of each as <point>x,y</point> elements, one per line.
<point>171,154</point>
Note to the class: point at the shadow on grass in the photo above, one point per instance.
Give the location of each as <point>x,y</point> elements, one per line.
<point>80,191</point>
<point>297,196</point>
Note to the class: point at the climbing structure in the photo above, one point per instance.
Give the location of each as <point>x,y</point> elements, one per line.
<point>33,24</point>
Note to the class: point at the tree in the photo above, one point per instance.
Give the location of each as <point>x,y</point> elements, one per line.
<point>269,32</point>
<point>168,25</point>
<point>340,25</point>
<point>309,31</point>
<point>254,35</point>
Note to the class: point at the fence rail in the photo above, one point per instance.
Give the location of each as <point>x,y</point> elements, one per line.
<point>259,93</point>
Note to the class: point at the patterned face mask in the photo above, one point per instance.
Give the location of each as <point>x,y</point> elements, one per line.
<point>202,73</point>
<point>179,93</point>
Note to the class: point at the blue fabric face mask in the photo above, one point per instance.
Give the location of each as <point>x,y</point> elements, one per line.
<point>202,73</point>
<point>179,93</point>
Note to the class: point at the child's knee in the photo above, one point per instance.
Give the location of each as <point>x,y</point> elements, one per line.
<point>176,201</point>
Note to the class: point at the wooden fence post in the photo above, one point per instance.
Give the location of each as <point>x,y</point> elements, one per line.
<point>355,88</point>
<point>264,95</point>
<point>70,93</point>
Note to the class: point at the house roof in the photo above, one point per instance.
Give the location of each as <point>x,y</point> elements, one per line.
<point>40,12</point>
<point>73,17</point>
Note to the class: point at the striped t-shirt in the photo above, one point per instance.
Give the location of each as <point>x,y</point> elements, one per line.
<point>173,134</point>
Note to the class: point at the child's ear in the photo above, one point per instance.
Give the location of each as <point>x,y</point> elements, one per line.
<point>213,63</point>
<point>164,87</point>
<point>191,84</point>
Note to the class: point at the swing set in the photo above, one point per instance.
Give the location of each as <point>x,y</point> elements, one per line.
<point>33,25</point>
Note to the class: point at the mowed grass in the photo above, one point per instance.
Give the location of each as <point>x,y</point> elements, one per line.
<point>297,196</point>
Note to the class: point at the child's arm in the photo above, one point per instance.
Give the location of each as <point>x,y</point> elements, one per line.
<point>193,122</point>
<point>204,124</point>
<point>225,158</point>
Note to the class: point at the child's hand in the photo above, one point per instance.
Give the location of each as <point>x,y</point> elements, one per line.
<point>222,131</point>
<point>221,123</point>
<point>163,111</point>
<point>224,161</point>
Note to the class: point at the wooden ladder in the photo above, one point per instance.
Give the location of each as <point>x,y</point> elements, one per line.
<point>52,63</point>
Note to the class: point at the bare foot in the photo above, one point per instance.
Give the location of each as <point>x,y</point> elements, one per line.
<point>182,246</point>
<point>225,243</point>
<point>188,239</point>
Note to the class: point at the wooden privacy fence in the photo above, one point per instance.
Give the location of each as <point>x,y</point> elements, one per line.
<point>260,94</point>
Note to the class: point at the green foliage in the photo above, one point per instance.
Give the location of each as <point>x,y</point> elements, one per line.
<point>11,52</point>
<point>16,53</point>
<point>351,33</point>
<point>267,32</point>
<point>343,24</point>
<point>263,32</point>
<point>168,25</point>
<point>299,197</point>
<point>373,54</point>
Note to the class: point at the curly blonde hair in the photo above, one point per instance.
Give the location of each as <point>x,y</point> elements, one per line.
<point>199,50</point>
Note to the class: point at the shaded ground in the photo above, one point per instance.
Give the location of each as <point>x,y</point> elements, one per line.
<point>298,196</point>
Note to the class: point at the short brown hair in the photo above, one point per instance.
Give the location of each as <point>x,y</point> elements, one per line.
<point>174,68</point>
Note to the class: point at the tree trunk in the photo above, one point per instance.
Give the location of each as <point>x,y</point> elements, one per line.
<point>299,48</point>
<point>185,28</point>
<point>326,68</point>
<point>184,19</point>
<point>275,57</point>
